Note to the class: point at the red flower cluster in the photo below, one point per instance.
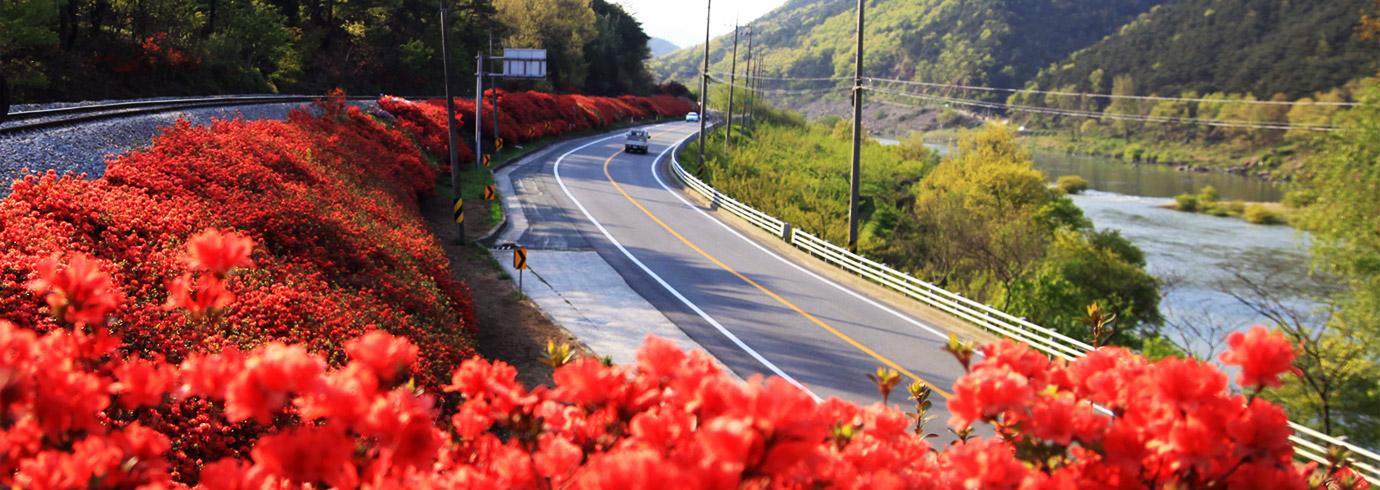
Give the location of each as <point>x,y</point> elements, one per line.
<point>216,254</point>
<point>305,231</point>
<point>1174,424</point>
<point>525,116</point>
<point>672,421</point>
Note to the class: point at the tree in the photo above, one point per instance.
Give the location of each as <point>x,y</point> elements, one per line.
<point>980,207</point>
<point>24,32</point>
<point>1347,241</point>
<point>617,54</point>
<point>561,27</point>
<point>1082,269</point>
<point>1121,107</point>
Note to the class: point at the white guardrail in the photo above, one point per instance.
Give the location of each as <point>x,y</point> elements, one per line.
<point>1308,443</point>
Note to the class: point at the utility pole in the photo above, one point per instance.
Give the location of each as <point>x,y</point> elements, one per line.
<point>732,81</point>
<point>857,139</point>
<point>704,82</point>
<point>478,110</point>
<point>457,209</point>
<point>747,71</point>
<point>493,79</point>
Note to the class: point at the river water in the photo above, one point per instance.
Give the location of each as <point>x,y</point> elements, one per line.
<point>1199,257</point>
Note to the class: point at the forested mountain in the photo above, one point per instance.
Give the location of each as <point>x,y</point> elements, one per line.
<point>975,42</point>
<point>661,47</point>
<point>1259,47</point>
<point>89,49</point>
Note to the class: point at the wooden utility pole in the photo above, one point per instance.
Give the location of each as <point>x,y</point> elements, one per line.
<point>493,89</point>
<point>478,112</point>
<point>704,83</point>
<point>853,196</point>
<point>732,81</point>
<point>747,71</point>
<point>453,129</point>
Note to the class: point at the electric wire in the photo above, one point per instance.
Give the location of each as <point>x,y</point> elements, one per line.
<point>760,77</point>
<point>1053,92</point>
<point>1225,123</point>
<point>1106,95</point>
<point>780,91</point>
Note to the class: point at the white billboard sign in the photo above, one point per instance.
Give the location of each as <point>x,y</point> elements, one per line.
<point>524,63</point>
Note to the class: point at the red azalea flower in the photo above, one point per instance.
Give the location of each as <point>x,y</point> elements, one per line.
<point>387,356</point>
<point>79,293</point>
<point>209,293</point>
<point>213,251</point>
<point>1263,355</point>
<point>986,393</point>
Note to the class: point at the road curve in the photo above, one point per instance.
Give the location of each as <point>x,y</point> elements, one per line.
<point>749,306</point>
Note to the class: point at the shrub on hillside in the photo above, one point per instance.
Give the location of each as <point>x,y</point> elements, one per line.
<point>329,202</point>
<point>1209,194</point>
<point>1217,210</point>
<point>524,116</point>
<point>1186,202</point>
<point>1262,215</point>
<point>1133,153</point>
<point>1300,198</point>
<point>1073,184</point>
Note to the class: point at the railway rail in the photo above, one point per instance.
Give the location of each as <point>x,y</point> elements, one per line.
<point>39,119</point>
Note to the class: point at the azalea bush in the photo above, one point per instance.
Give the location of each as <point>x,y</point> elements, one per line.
<point>328,203</point>
<point>75,405</point>
<point>524,116</point>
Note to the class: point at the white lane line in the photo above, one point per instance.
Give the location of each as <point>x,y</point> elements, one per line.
<point>850,292</point>
<point>686,301</point>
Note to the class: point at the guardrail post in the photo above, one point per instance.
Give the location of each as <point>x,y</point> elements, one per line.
<point>786,232</point>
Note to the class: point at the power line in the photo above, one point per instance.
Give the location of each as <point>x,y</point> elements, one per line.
<point>781,91</point>
<point>787,79</point>
<point>1111,96</point>
<point>1060,93</point>
<point>1101,115</point>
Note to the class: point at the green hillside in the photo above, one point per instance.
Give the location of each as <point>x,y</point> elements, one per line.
<point>1261,47</point>
<point>979,42</point>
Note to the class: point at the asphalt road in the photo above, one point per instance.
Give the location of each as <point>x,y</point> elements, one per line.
<point>750,306</point>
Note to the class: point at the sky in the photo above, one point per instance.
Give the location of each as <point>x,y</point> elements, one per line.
<point>682,22</point>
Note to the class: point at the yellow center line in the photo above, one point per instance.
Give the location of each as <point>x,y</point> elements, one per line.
<point>759,287</point>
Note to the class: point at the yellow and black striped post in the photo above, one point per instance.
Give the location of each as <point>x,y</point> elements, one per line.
<point>520,263</point>
<point>458,211</point>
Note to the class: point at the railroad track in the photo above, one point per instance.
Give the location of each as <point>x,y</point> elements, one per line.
<point>23,121</point>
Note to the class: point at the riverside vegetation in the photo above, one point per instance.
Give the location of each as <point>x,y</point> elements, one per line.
<point>983,222</point>
<point>1208,201</point>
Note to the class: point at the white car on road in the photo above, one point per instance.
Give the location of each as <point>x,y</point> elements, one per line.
<point>692,117</point>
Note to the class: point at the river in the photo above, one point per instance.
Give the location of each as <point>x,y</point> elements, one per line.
<point>1199,257</point>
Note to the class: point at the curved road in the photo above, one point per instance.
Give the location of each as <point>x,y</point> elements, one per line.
<point>742,299</point>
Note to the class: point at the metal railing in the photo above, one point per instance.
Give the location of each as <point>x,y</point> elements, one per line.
<point>1308,443</point>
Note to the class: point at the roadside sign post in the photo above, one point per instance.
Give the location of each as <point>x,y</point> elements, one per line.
<point>453,130</point>
<point>520,263</point>
<point>517,63</point>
